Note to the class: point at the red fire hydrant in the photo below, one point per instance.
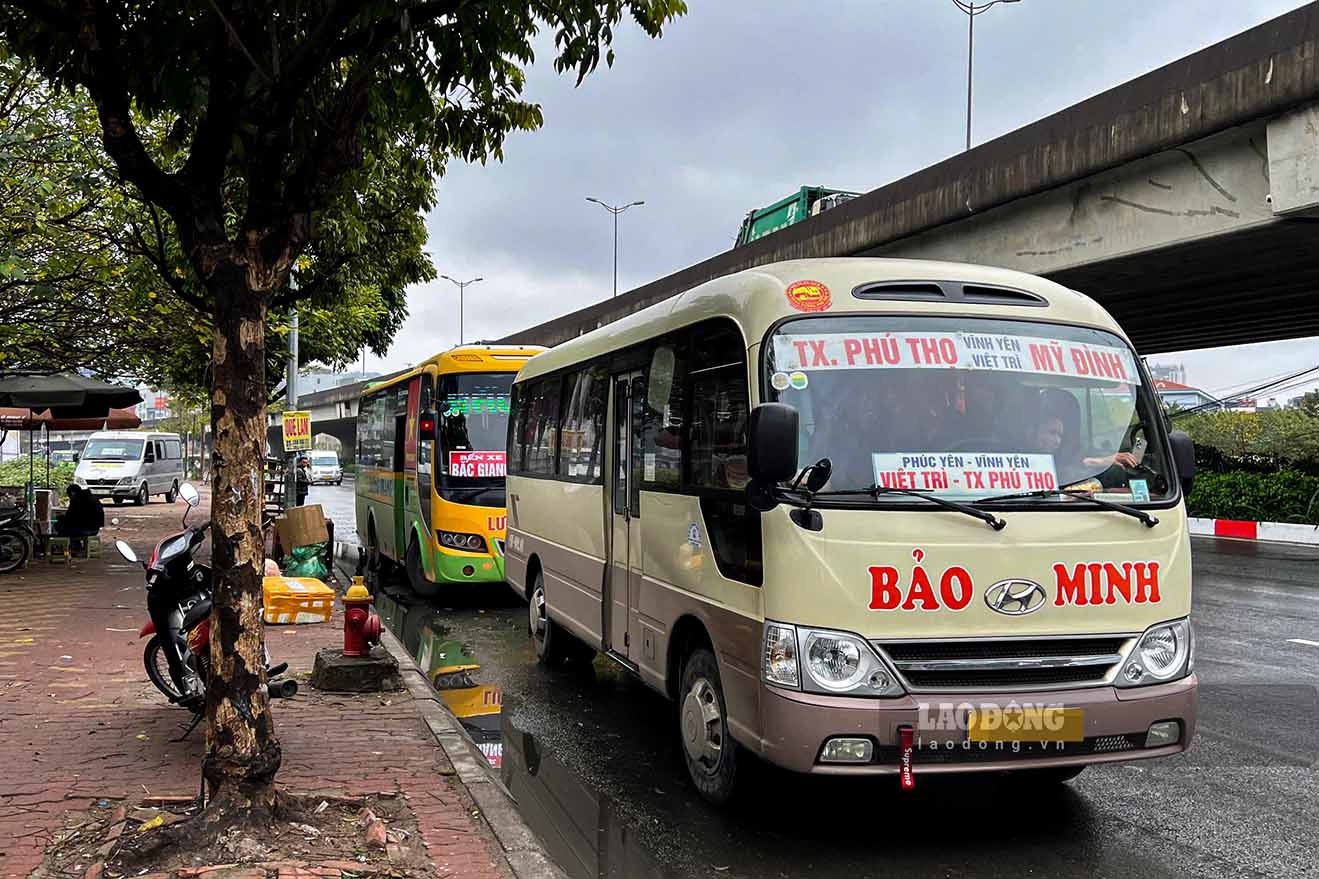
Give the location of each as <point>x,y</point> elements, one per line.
<point>361,626</point>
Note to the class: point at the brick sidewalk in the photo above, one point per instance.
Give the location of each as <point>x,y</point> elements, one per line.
<point>80,721</point>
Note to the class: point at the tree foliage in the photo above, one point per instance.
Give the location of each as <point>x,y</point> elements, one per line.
<point>250,129</point>
<point>90,271</point>
<point>1265,440</point>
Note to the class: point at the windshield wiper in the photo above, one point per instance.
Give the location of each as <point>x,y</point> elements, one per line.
<point>1150,521</point>
<point>875,491</point>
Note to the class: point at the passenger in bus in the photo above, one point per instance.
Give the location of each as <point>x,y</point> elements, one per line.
<point>1058,433</point>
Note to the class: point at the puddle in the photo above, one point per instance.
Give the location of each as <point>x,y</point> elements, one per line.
<point>450,667</point>
<point>583,829</point>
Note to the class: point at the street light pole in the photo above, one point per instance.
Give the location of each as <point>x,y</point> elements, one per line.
<point>971,10</point>
<point>462,287</point>
<point>615,211</point>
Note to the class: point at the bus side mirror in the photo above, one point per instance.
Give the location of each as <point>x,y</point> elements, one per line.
<point>772,452</point>
<point>426,425</point>
<point>1183,458</point>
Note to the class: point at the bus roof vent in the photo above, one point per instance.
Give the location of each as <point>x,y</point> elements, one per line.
<point>905,290</point>
<point>1000,296</point>
<point>947,291</point>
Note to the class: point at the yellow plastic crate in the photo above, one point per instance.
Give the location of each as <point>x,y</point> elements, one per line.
<point>296,600</point>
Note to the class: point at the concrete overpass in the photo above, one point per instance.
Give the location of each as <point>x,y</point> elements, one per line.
<point>333,411</point>
<point>1185,201</point>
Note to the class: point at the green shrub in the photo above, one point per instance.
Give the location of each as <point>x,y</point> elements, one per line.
<point>1281,496</point>
<point>15,473</point>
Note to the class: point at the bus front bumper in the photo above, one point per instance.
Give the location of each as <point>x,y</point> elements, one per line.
<point>455,568</point>
<point>795,727</point>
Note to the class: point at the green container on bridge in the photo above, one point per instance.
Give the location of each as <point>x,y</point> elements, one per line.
<point>805,202</point>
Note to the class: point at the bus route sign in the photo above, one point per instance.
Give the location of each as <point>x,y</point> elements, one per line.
<point>297,431</point>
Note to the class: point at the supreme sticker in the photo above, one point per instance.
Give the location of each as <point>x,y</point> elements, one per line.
<point>477,464</point>
<point>809,296</point>
<point>982,351</point>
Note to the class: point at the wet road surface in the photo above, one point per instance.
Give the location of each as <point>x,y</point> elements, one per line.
<point>593,758</point>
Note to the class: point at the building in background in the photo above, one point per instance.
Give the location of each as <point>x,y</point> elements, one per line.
<point>319,379</point>
<point>1176,395</point>
<point>154,408</point>
<point>1171,372</point>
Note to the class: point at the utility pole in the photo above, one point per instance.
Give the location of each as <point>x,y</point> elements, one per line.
<point>462,287</point>
<point>291,385</point>
<point>615,211</point>
<point>971,10</point>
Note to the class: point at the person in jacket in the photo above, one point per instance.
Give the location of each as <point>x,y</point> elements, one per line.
<point>84,517</point>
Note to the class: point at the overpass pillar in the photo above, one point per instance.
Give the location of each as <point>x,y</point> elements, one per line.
<point>1294,161</point>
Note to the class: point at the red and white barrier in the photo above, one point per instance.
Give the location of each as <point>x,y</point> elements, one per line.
<point>1282,532</point>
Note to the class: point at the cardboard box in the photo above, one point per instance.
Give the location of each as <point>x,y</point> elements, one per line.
<point>302,526</point>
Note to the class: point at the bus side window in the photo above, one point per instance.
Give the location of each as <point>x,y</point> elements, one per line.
<point>543,427</point>
<point>665,412</point>
<point>581,433</point>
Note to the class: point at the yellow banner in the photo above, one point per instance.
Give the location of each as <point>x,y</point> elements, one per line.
<point>1029,723</point>
<point>297,431</point>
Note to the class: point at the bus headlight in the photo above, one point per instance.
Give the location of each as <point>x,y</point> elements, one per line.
<point>465,542</point>
<point>1162,654</point>
<point>843,663</point>
<point>824,661</point>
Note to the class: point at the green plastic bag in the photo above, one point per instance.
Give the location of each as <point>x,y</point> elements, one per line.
<point>306,561</point>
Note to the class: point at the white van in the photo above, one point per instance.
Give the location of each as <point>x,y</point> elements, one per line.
<point>131,464</point>
<point>325,468</point>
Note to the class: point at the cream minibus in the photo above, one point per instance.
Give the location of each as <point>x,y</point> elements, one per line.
<point>865,517</point>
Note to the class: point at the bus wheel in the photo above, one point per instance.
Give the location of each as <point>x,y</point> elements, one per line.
<point>548,637</point>
<point>416,574</point>
<point>710,752</point>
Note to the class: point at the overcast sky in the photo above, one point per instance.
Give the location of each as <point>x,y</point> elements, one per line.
<point>743,101</point>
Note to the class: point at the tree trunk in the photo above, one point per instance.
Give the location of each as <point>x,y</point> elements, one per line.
<point>242,752</point>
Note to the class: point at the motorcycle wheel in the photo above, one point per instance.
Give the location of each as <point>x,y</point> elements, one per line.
<point>153,657</point>
<point>14,550</point>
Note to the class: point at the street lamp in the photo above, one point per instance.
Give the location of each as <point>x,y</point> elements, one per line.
<point>615,211</point>
<point>971,10</point>
<point>462,286</point>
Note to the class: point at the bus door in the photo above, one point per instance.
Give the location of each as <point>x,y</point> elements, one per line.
<point>624,582</point>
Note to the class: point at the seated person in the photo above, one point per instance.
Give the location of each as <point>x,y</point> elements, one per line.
<point>84,518</point>
<point>1057,433</point>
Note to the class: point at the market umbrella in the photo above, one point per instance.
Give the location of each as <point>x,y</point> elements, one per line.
<point>26,419</point>
<point>67,395</point>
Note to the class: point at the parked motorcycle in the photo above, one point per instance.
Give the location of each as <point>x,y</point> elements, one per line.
<point>177,656</point>
<point>16,538</point>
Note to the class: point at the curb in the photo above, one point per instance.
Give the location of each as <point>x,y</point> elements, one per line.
<point>1269,532</point>
<point>522,849</point>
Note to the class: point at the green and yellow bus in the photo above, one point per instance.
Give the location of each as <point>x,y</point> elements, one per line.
<point>431,464</point>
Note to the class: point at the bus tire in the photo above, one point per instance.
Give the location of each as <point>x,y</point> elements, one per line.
<point>417,573</point>
<point>709,751</point>
<point>550,640</point>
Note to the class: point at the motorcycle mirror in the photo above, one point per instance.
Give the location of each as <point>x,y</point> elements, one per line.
<point>125,550</point>
<point>188,492</point>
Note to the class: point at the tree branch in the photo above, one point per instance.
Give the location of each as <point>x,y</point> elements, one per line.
<point>98,38</point>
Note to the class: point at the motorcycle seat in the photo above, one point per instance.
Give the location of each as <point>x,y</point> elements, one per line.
<point>197,613</point>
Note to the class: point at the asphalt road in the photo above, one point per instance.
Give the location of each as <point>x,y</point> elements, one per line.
<point>593,758</point>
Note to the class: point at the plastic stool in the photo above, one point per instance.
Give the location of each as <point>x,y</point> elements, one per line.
<point>91,548</point>
<point>57,550</point>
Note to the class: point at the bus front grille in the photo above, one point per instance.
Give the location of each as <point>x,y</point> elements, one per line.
<point>1005,664</point>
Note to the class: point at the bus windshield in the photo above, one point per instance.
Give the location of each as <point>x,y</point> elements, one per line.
<point>470,457</point>
<point>969,408</point>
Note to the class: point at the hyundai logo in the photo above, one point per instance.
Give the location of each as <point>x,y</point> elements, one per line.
<point>1015,597</point>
